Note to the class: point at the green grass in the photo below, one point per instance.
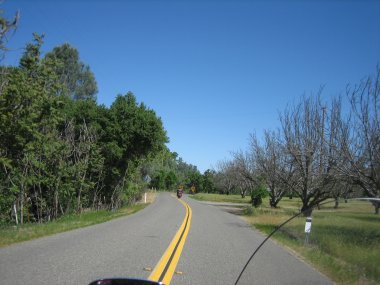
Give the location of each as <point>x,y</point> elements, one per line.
<point>14,234</point>
<point>220,198</point>
<point>344,243</point>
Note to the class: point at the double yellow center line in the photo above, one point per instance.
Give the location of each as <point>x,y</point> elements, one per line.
<point>164,270</point>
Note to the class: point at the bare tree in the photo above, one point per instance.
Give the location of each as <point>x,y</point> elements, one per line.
<point>245,166</point>
<point>273,165</point>
<point>305,143</point>
<point>246,174</point>
<point>226,177</point>
<point>360,137</point>
<point>245,185</point>
<point>5,27</point>
<point>331,156</point>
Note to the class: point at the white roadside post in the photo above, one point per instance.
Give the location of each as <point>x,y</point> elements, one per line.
<point>145,198</point>
<point>307,229</point>
<point>15,210</point>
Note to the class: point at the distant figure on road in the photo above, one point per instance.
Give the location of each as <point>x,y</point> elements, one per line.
<point>179,192</point>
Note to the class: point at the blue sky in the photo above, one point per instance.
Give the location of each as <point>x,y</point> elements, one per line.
<point>214,71</point>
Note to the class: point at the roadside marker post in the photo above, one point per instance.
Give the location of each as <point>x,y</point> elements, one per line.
<point>307,229</point>
<point>15,210</point>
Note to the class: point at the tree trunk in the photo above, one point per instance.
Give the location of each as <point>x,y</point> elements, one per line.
<point>336,203</point>
<point>40,208</point>
<point>37,205</point>
<point>376,204</point>
<point>22,206</point>
<point>79,205</point>
<point>306,210</point>
<point>273,202</point>
<point>55,203</point>
<point>78,202</point>
<point>14,208</point>
<point>68,206</point>
<point>94,201</point>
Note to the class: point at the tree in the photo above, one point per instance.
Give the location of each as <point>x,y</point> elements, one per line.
<point>360,137</point>
<point>168,170</point>
<point>246,173</point>
<point>158,180</point>
<point>194,179</point>
<point>258,193</point>
<point>136,128</point>
<point>76,77</point>
<point>305,140</point>
<point>133,133</point>
<point>28,118</point>
<point>208,178</point>
<point>5,27</point>
<point>170,180</point>
<point>226,177</point>
<point>59,155</point>
<point>272,164</point>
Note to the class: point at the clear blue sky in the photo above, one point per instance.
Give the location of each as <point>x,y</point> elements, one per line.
<point>214,71</point>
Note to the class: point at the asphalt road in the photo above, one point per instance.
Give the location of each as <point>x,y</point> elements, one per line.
<point>216,249</point>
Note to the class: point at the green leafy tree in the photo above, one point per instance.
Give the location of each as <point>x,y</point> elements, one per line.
<point>134,132</point>
<point>208,181</point>
<point>167,169</point>
<point>75,76</point>
<point>170,180</point>
<point>158,180</point>
<point>59,155</point>
<point>195,179</point>
<point>29,115</point>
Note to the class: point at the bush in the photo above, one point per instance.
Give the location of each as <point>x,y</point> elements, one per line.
<point>131,194</point>
<point>248,211</point>
<point>258,194</point>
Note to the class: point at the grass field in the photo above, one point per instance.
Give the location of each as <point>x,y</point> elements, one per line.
<point>220,198</point>
<point>14,234</point>
<point>344,243</point>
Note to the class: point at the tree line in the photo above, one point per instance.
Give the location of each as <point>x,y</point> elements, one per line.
<point>168,171</point>
<point>61,152</point>
<point>322,150</point>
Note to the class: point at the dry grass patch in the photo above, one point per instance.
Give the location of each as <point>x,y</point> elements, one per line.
<point>150,197</point>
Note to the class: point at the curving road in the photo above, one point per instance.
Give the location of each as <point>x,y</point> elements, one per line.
<point>217,247</point>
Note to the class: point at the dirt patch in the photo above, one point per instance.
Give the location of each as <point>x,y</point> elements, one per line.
<point>150,197</point>
<point>233,208</point>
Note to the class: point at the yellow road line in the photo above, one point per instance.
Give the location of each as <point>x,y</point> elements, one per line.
<point>164,270</point>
